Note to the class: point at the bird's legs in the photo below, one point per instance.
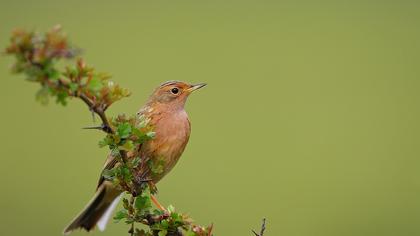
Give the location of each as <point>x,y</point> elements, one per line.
<point>157,204</point>
<point>153,190</point>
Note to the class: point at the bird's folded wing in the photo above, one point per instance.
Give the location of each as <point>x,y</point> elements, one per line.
<point>109,164</point>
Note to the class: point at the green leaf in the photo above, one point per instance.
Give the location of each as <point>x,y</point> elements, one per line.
<point>53,74</point>
<point>105,141</point>
<point>128,146</point>
<point>158,212</point>
<point>164,224</point>
<point>124,130</point>
<point>171,209</point>
<point>70,72</point>
<point>125,173</point>
<point>137,132</point>
<point>42,95</point>
<point>121,214</point>
<point>126,203</point>
<point>73,87</point>
<point>142,232</point>
<point>129,221</point>
<point>61,98</point>
<point>162,233</point>
<point>177,218</point>
<point>95,84</point>
<point>190,233</point>
<point>143,202</point>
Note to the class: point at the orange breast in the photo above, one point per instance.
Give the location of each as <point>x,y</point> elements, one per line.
<point>172,131</point>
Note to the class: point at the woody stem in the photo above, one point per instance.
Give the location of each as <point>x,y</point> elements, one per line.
<point>93,107</point>
<point>131,231</point>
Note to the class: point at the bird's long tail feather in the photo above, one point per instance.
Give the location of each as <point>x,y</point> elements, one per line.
<point>98,210</point>
<point>107,215</point>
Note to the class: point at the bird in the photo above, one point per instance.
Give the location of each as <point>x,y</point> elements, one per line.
<point>166,114</point>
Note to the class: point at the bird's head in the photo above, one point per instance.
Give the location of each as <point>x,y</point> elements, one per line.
<point>174,93</point>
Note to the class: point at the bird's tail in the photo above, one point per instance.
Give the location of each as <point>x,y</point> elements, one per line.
<point>98,210</point>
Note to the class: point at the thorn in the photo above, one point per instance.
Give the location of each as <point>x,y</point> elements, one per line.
<point>103,127</point>
<point>94,127</point>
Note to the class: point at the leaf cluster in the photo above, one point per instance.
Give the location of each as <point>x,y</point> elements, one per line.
<point>130,132</point>
<point>125,145</point>
<point>159,222</point>
<point>37,56</point>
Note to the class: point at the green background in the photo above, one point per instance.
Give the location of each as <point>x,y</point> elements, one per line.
<point>311,115</point>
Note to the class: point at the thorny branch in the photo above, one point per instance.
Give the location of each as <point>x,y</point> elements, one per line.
<point>36,56</point>
<point>93,107</point>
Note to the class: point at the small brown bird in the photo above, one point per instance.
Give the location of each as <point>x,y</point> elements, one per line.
<point>165,110</point>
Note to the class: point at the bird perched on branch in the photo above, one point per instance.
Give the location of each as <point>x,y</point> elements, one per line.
<point>166,114</point>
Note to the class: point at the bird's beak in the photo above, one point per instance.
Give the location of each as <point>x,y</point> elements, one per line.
<point>196,86</point>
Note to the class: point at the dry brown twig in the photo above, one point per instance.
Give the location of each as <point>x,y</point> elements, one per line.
<point>262,229</point>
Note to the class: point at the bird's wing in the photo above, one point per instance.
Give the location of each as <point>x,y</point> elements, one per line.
<point>109,164</point>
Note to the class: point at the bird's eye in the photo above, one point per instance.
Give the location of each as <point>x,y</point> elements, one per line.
<point>175,90</point>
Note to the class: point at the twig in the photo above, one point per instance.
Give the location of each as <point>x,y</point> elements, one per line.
<point>131,231</point>
<point>93,107</point>
<point>262,229</point>
<point>102,127</point>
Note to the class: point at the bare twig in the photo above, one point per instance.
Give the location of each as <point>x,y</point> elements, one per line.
<point>262,229</point>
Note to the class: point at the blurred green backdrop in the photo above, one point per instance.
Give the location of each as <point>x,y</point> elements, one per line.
<point>311,116</point>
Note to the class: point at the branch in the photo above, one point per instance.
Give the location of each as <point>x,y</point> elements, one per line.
<point>36,57</point>
<point>262,229</point>
<point>100,111</point>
